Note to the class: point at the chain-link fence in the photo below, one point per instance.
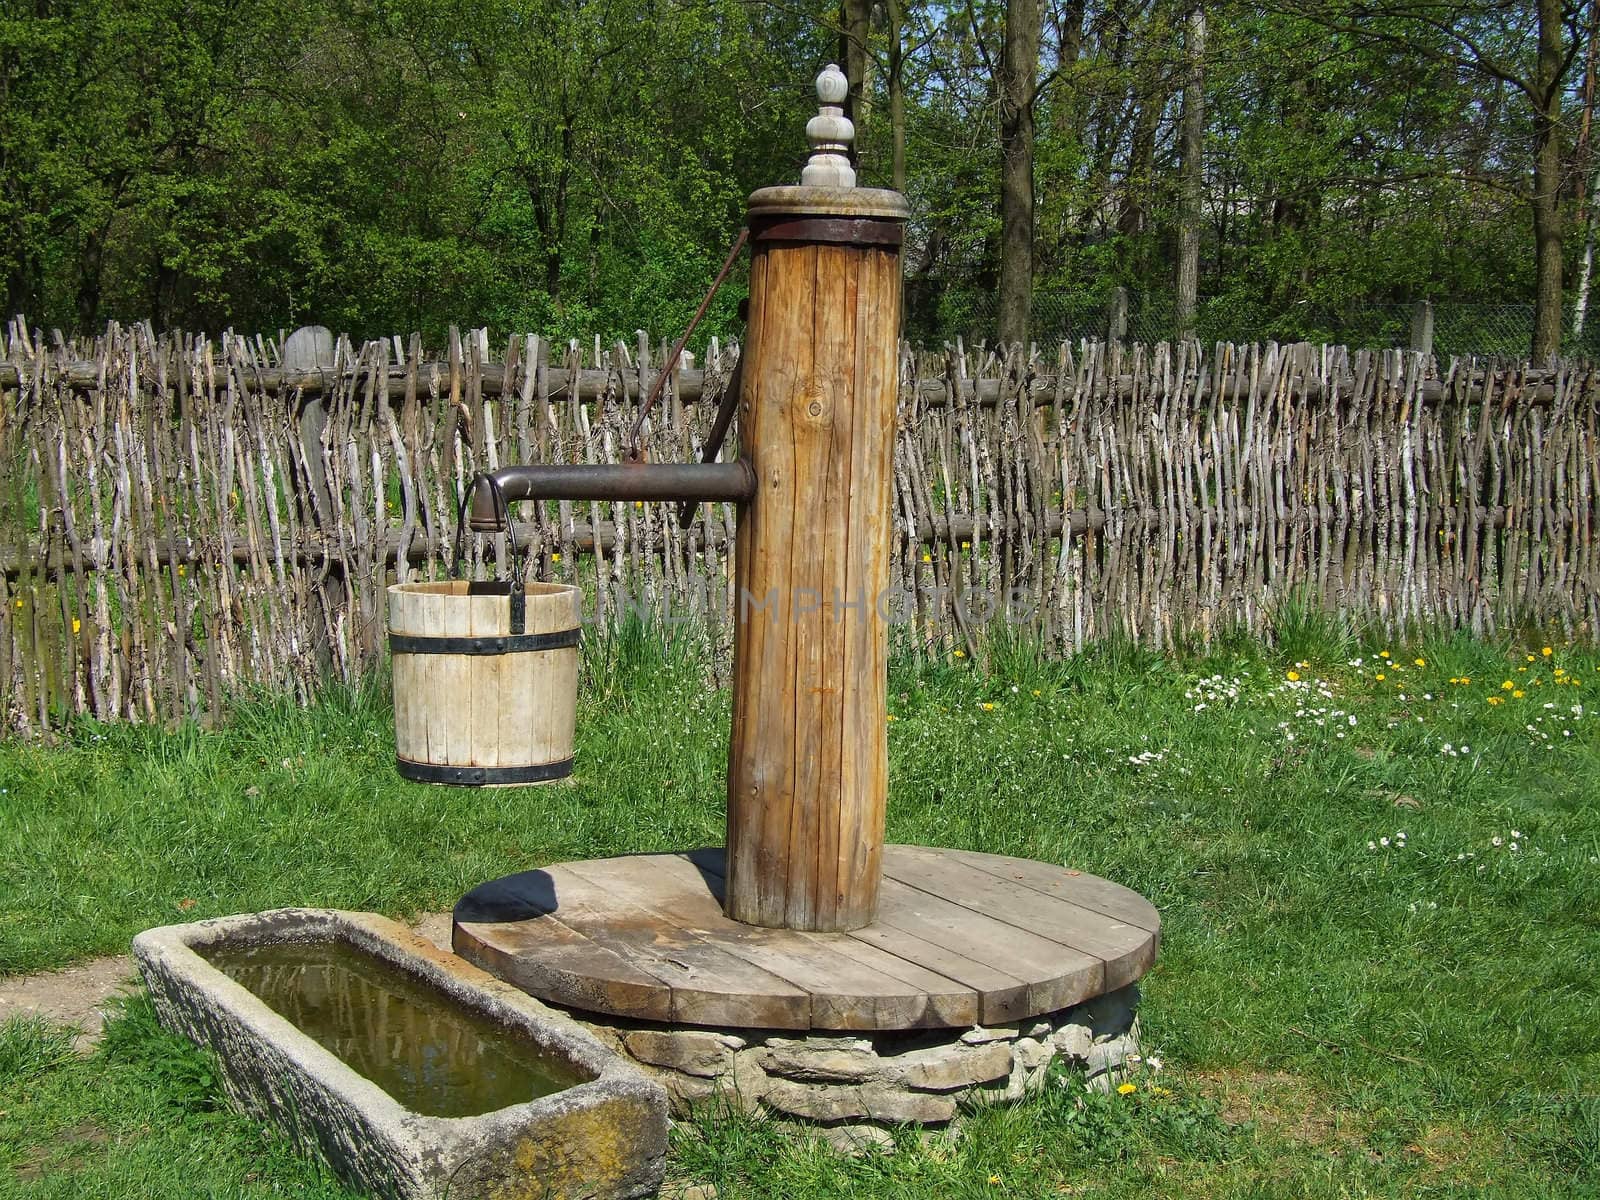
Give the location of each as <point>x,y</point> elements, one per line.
<point>936,313</point>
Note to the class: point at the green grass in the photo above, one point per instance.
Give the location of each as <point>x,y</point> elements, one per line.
<point>1335,1020</point>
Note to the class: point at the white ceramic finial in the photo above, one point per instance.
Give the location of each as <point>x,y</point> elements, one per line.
<point>830,134</point>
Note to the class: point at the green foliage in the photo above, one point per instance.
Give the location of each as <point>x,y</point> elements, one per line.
<point>1303,629</point>
<point>28,1048</point>
<point>1107,1125</point>
<point>183,1075</point>
<point>578,168</point>
<point>143,1116</point>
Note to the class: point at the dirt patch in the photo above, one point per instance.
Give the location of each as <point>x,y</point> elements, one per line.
<point>1283,1105</point>
<point>1455,1154</point>
<point>1287,1107</point>
<point>79,996</point>
<point>39,1161</point>
<point>76,996</point>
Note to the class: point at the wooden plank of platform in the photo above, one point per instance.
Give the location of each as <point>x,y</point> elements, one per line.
<point>620,960</point>
<point>709,984</point>
<point>1125,950</point>
<point>539,953</point>
<point>961,938</point>
<point>1084,890</point>
<point>845,992</point>
<point>954,990</point>
<point>1001,995</point>
<point>1056,976</point>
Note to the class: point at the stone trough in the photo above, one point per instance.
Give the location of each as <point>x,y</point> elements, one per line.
<point>505,1097</point>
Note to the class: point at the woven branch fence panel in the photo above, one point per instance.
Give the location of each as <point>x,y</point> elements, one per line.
<point>182,518</point>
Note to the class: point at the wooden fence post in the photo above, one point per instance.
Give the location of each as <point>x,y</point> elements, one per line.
<point>1422,327</point>
<point>1117,315</point>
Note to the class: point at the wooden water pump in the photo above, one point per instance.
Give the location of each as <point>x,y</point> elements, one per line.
<point>808,759</point>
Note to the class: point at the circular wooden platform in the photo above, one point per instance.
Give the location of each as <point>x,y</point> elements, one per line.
<point>961,939</point>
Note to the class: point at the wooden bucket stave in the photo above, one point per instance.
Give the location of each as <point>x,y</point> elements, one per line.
<point>475,704</point>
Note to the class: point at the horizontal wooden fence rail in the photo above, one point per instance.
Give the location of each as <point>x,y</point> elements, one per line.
<point>182,516</point>
<point>580,537</point>
<point>591,383</point>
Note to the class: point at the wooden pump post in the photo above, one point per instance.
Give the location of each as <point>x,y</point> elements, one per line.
<point>808,761</point>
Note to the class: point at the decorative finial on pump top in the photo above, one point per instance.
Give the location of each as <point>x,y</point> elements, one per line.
<point>830,134</point>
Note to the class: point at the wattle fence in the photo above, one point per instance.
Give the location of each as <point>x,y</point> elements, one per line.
<point>184,516</point>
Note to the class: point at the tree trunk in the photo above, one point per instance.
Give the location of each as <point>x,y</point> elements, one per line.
<point>91,261</point>
<point>1580,308</point>
<point>1019,66</point>
<point>897,94</point>
<point>854,29</point>
<point>1588,181</point>
<point>1547,184</point>
<point>1137,185</point>
<point>1193,186</point>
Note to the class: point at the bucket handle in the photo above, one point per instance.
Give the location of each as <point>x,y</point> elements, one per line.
<point>502,512</point>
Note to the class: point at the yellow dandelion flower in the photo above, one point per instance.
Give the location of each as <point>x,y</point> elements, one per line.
<point>1379,676</point>
<point>1547,652</point>
<point>556,557</point>
<point>1518,694</point>
<point>1383,654</point>
<point>1036,692</point>
<point>1292,676</point>
<point>961,653</point>
<point>19,603</point>
<point>1530,658</point>
<point>966,545</point>
<point>892,718</point>
<point>1507,686</point>
<point>926,557</point>
<point>76,624</point>
<point>1127,1089</point>
<point>1560,671</point>
<point>1421,662</point>
<point>987,706</point>
<point>1466,679</point>
<point>994,1179</point>
<point>180,571</point>
<point>1497,700</point>
<point>1156,1090</point>
<point>1453,679</point>
<point>638,503</point>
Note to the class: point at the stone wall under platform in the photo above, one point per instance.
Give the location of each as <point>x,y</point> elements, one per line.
<point>855,1087</point>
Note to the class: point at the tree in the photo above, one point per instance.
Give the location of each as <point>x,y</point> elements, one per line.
<point>1586,175</point>
<point>1016,82</point>
<point>855,24</point>
<point>1193,186</point>
<point>1527,45</point>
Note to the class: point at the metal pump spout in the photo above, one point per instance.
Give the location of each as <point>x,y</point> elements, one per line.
<point>492,493</point>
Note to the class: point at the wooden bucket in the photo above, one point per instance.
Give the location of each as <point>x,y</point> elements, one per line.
<point>474,702</point>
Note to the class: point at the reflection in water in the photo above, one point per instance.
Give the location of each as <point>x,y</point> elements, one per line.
<point>427,1052</point>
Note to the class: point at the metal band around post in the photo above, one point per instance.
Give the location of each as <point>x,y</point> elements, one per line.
<point>407,643</point>
<point>480,776</point>
<point>843,231</point>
